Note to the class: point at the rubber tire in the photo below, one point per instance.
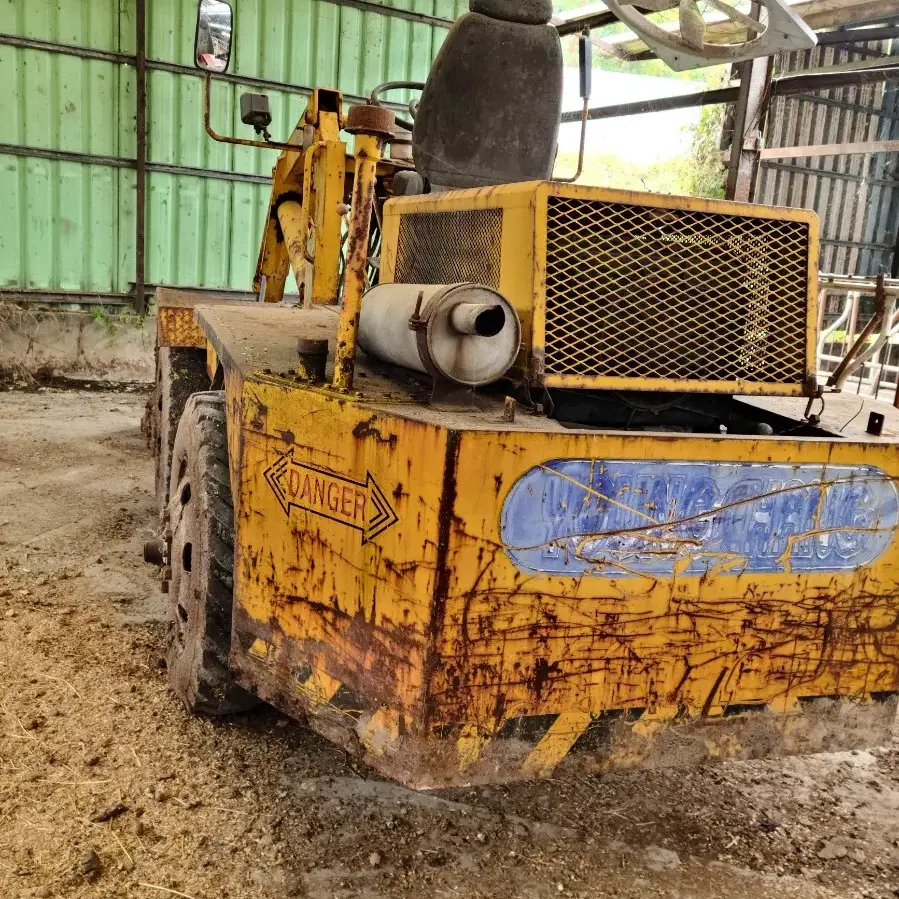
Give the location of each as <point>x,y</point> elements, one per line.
<point>201,590</point>
<point>180,373</point>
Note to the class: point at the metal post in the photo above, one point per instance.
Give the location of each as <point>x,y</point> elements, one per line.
<point>371,125</point>
<point>853,320</point>
<point>894,272</point>
<point>140,212</point>
<point>749,123</point>
<point>894,269</point>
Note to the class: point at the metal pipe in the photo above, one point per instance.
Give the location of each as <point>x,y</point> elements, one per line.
<point>582,150</point>
<point>850,360</point>
<point>368,151</point>
<point>395,86</point>
<point>853,284</point>
<point>585,58</point>
<point>140,212</point>
<point>238,141</point>
<point>844,317</point>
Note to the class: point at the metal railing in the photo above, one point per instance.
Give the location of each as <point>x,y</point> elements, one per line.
<point>875,372</point>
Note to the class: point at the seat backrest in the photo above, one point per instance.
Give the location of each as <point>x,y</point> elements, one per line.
<point>490,111</point>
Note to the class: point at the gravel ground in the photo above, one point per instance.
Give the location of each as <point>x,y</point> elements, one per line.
<point>107,789</point>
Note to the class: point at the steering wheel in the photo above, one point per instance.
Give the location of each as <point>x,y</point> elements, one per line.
<point>692,44</point>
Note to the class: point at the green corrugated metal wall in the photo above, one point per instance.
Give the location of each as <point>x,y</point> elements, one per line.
<point>69,226</point>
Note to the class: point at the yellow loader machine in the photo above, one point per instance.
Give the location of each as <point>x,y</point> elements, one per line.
<point>483,503</point>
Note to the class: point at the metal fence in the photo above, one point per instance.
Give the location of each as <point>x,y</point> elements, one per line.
<point>844,312</point>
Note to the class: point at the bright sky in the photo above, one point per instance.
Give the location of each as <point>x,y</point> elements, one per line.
<point>643,139</point>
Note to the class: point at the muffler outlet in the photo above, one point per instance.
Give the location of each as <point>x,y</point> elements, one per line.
<point>469,334</point>
<point>481,320</point>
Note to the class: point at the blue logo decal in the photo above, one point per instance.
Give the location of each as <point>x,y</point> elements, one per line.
<point>657,519</point>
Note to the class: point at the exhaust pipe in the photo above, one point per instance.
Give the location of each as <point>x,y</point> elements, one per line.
<point>469,334</point>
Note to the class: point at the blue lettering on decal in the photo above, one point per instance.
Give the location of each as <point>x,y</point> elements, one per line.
<point>616,519</point>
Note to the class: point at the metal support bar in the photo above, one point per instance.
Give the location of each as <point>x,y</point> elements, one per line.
<point>120,163</point>
<point>368,151</point>
<point>27,43</point>
<point>855,244</point>
<point>894,272</point>
<point>173,68</point>
<point>140,211</point>
<point>749,123</point>
<point>849,107</point>
<point>408,14</point>
<point>848,149</point>
<point>826,173</point>
<point>857,36</point>
<point>819,19</point>
<point>788,85</point>
<point>61,297</point>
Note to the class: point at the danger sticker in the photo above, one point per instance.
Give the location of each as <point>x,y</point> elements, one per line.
<point>359,505</point>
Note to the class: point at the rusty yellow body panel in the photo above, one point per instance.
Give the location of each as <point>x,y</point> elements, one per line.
<point>460,599</point>
<point>303,226</point>
<point>621,290</point>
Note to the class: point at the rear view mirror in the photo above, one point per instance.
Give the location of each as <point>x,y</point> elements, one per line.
<point>212,49</point>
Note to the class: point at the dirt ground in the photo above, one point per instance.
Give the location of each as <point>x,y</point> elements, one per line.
<point>107,788</point>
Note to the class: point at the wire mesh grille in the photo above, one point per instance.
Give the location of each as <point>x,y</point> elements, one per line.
<point>640,292</point>
<point>450,247</point>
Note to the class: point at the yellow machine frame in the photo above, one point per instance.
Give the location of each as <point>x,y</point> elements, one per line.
<point>377,589</point>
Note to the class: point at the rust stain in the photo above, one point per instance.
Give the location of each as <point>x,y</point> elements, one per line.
<point>441,589</point>
<point>366,429</point>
